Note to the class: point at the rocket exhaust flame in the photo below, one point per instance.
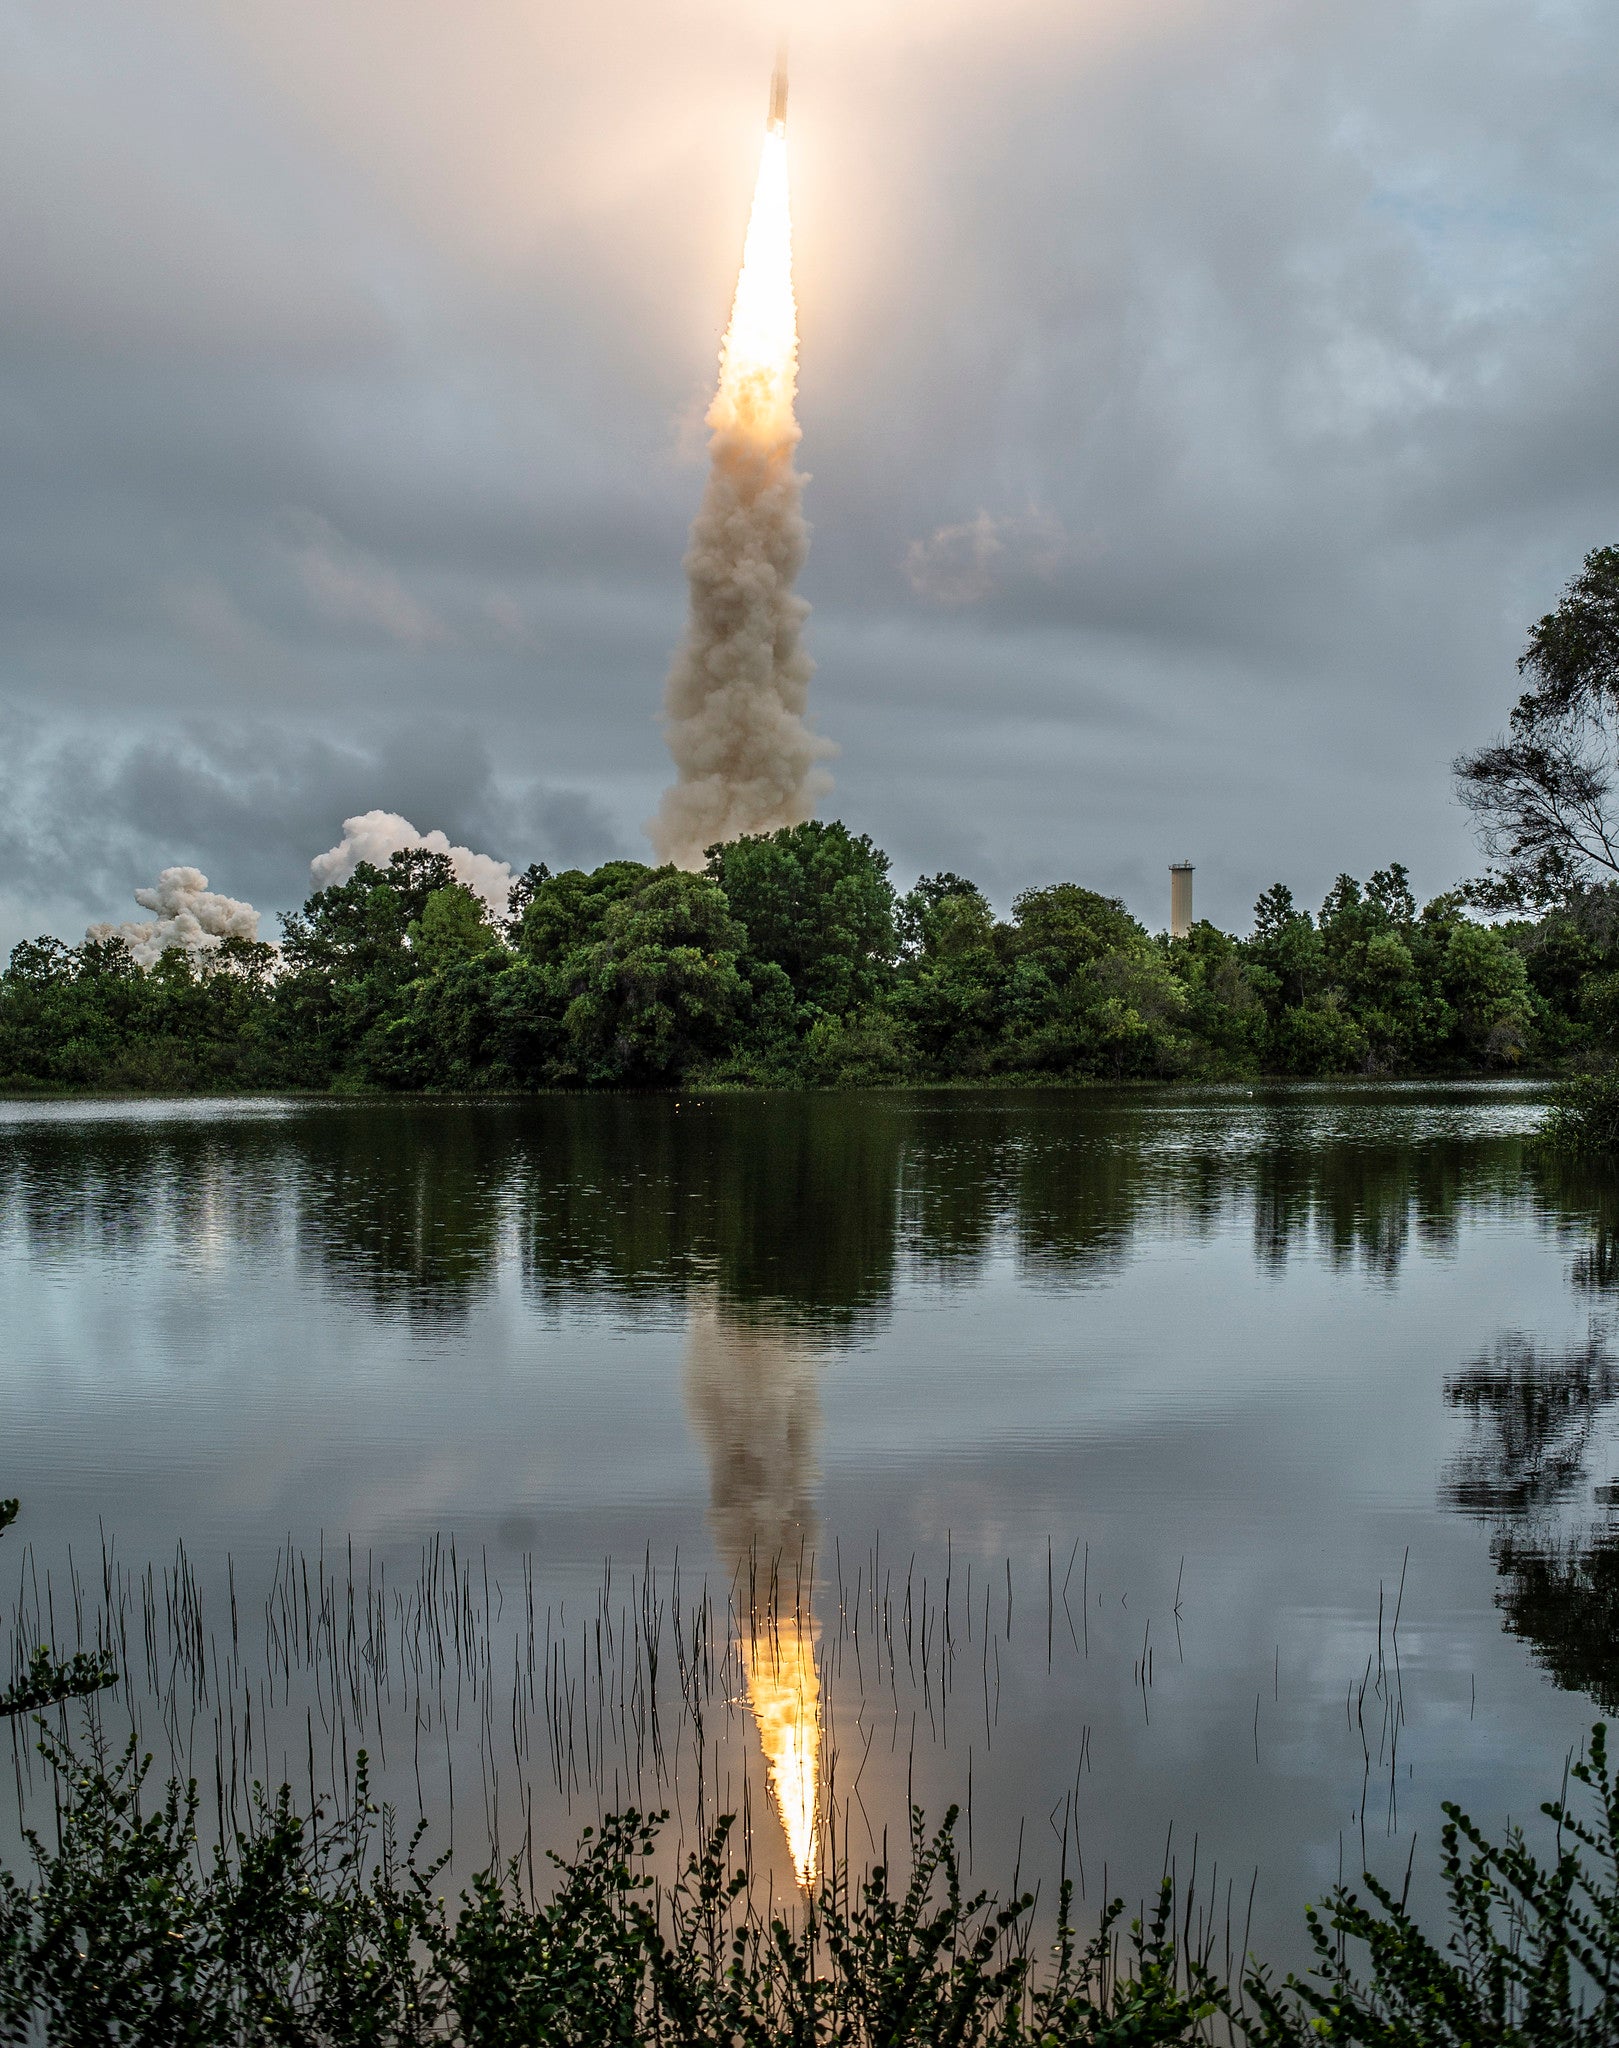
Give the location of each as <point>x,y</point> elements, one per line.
<point>734,701</point>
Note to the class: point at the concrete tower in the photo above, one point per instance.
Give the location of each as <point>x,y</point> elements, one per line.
<point>1180,899</point>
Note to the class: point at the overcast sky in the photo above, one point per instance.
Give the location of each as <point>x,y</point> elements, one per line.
<point>1200,400</point>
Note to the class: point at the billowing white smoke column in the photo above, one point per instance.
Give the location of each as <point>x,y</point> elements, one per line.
<point>376,835</point>
<point>756,1400</point>
<point>187,914</point>
<point>734,702</point>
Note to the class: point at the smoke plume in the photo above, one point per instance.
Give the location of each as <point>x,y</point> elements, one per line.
<point>734,702</point>
<point>377,835</point>
<point>755,1396</point>
<point>188,916</point>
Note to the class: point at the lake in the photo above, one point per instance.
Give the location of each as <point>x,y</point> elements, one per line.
<point>1139,1470</point>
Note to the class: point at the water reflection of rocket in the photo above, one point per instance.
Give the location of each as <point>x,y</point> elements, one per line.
<point>778,94</point>
<point>754,1395</point>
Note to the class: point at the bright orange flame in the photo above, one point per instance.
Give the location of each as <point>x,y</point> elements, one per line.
<point>759,361</point>
<point>784,1690</point>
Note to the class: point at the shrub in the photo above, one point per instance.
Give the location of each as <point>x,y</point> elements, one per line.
<point>1584,1116</point>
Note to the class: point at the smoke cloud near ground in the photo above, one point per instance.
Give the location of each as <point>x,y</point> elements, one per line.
<point>375,836</point>
<point>188,915</point>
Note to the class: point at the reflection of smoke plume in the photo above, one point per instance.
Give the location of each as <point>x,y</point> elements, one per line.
<point>755,1398</point>
<point>377,835</point>
<point>734,702</point>
<point>188,916</point>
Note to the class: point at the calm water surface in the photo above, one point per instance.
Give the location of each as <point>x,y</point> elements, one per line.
<point>1105,1436</point>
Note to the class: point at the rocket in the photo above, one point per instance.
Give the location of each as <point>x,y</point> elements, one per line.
<point>778,94</point>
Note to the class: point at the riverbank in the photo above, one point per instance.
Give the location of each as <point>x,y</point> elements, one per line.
<point>1234,1085</point>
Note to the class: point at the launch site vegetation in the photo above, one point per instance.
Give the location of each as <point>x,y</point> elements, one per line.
<point>787,959</point>
<point>790,961</point>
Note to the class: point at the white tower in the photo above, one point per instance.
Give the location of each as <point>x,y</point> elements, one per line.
<point>1180,899</point>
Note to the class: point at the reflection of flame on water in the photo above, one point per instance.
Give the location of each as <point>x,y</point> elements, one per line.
<point>784,1691</point>
<point>755,1397</point>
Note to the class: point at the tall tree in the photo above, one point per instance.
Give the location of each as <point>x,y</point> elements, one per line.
<point>1543,795</point>
<point>816,901</point>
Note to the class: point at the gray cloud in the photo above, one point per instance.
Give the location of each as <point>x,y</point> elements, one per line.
<point>1199,403</point>
<point>83,822</point>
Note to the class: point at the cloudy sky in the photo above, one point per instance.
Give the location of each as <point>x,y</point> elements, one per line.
<point>1201,397</point>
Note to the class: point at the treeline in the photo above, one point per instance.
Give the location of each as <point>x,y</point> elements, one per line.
<point>792,961</point>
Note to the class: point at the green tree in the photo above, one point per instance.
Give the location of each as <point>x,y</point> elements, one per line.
<point>1086,991</point>
<point>88,1017</point>
<point>1066,928</point>
<point>520,895</point>
<point>1285,951</point>
<point>564,912</point>
<point>453,927</point>
<point>661,988</point>
<point>815,901</point>
<point>1315,1037</point>
<point>448,1030</point>
<point>1222,1013</point>
<point>1487,987</point>
<point>1367,959</point>
<point>943,914</point>
<point>347,959</point>
<point>1542,795</point>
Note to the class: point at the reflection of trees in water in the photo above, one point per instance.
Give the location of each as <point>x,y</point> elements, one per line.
<point>402,1206</point>
<point>789,1199</point>
<point>816,1202</point>
<point>1022,1177</point>
<point>1533,1413</point>
<point>1565,1601</point>
<point>114,1185</point>
<point>754,1395</point>
<point>1535,1417</point>
<point>1580,1199</point>
<point>1363,1203</point>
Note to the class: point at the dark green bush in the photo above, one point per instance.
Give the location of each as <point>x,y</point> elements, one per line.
<point>1531,1955</point>
<point>1584,1116</point>
<point>303,1928</point>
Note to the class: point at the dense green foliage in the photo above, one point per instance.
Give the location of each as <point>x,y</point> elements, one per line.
<point>1584,1116</point>
<point>791,961</point>
<point>301,1928</point>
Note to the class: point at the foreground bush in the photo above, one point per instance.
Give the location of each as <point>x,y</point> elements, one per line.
<point>302,1930</point>
<point>298,1931</point>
